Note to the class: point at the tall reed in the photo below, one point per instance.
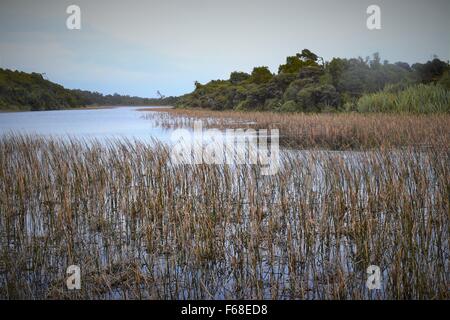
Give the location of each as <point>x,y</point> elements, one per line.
<point>420,99</point>
<point>141,227</point>
<point>349,131</point>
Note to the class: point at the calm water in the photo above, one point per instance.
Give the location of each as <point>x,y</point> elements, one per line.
<point>120,122</point>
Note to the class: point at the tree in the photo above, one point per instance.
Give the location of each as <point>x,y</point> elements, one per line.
<point>197,85</point>
<point>304,85</point>
<point>431,71</point>
<point>295,63</point>
<point>161,96</point>
<point>261,75</point>
<point>237,77</point>
<point>403,65</point>
<point>317,97</point>
<point>335,68</point>
<point>307,55</point>
<point>376,61</point>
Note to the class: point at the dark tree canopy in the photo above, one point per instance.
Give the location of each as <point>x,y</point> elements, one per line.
<point>261,75</point>
<point>304,84</point>
<point>21,90</point>
<point>431,71</point>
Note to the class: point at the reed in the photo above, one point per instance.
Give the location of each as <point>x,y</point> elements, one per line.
<point>343,131</point>
<point>420,99</point>
<point>142,227</point>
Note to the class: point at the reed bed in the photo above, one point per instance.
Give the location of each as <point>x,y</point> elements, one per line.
<point>141,227</point>
<point>342,131</point>
<point>419,98</point>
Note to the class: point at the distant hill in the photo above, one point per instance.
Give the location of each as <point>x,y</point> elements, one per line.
<point>30,91</point>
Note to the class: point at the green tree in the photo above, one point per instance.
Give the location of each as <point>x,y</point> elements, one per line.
<point>307,55</point>
<point>432,71</point>
<point>261,75</point>
<point>237,77</point>
<point>335,68</point>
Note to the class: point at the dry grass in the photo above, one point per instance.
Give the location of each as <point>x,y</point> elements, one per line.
<point>348,131</point>
<point>140,227</point>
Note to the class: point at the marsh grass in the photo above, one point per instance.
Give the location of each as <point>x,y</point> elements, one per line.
<point>342,131</point>
<point>420,99</point>
<point>141,227</point>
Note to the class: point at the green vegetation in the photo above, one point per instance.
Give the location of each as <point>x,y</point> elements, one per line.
<point>330,131</point>
<point>306,83</point>
<point>143,227</point>
<point>25,91</point>
<point>20,90</point>
<point>414,99</point>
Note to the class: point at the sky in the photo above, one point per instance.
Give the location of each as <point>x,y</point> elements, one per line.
<point>138,47</point>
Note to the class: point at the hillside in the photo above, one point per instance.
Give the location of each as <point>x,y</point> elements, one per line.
<point>30,91</point>
<point>307,83</point>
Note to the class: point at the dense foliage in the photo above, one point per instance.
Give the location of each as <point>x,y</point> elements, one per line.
<point>25,91</point>
<point>414,99</point>
<point>307,83</point>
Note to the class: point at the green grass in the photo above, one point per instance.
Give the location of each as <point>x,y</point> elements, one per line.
<point>414,99</point>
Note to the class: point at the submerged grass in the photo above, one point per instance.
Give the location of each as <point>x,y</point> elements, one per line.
<point>142,227</point>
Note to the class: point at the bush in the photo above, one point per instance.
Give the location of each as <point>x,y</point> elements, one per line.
<point>445,80</point>
<point>304,85</point>
<point>289,106</point>
<point>414,99</point>
<point>295,87</point>
<point>273,104</point>
<point>317,97</point>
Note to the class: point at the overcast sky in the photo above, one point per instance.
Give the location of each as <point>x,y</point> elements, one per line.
<point>137,47</point>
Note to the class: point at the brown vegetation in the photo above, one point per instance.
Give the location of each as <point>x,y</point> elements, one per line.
<point>343,131</point>
<point>141,227</point>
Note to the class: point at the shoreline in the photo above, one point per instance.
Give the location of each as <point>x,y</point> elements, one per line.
<point>91,107</point>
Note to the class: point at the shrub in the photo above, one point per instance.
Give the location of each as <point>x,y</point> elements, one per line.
<point>317,97</point>
<point>289,106</point>
<point>414,99</point>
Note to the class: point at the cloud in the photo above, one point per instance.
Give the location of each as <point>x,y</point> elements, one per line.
<point>138,47</point>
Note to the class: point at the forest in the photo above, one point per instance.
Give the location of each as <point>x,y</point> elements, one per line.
<point>30,91</point>
<point>304,83</point>
<point>307,83</point>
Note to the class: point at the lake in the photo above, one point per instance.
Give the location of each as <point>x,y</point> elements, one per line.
<point>141,227</point>
<point>109,123</point>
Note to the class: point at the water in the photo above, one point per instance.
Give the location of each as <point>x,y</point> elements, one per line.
<point>121,237</point>
<point>111,123</point>
<point>106,124</point>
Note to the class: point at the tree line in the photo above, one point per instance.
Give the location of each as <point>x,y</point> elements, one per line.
<point>30,91</point>
<point>307,83</point>
<point>304,83</point>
